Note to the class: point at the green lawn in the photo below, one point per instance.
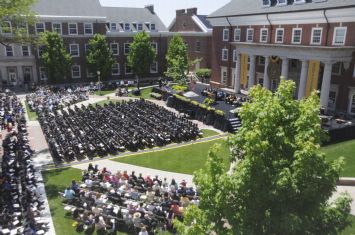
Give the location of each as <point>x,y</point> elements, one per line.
<point>345,149</point>
<point>185,159</point>
<point>56,181</point>
<point>31,114</point>
<point>208,133</point>
<point>145,94</point>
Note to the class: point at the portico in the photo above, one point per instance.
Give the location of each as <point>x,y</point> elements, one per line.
<point>326,55</point>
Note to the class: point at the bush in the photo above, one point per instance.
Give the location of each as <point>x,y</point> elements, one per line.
<point>204,73</point>
<point>179,88</point>
<point>208,101</point>
<point>182,98</point>
<point>219,112</point>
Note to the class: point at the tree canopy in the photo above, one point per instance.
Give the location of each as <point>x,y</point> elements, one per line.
<point>55,56</point>
<point>141,54</point>
<point>280,182</point>
<point>14,15</point>
<point>177,58</point>
<point>99,56</point>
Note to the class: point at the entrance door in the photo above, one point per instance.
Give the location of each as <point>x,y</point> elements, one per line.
<point>12,76</point>
<point>27,75</point>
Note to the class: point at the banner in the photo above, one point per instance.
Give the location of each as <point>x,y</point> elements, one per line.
<point>244,70</point>
<point>313,76</point>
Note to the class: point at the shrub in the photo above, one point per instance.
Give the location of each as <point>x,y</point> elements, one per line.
<point>208,101</point>
<point>219,112</point>
<point>179,88</point>
<point>203,73</point>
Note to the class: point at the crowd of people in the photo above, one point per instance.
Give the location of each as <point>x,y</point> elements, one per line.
<point>51,98</point>
<point>110,201</point>
<point>21,204</point>
<point>234,100</point>
<point>91,131</point>
<point>217,95</point>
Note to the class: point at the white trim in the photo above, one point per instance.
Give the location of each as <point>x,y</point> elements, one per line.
<point>118,48</point>
<point>265,5</point>
<point>225,33</point>
<point>224,80</point>
<point>276,35</point>
<point>293,36</point>
<point>125,69</point>
<point>68,17</point>
<point>261,34</point>
<point>321,35</point>
<point>235,58</point>
<point>92,28</point>
<point>334,35</point>
<point>118,67</point>
<point>224,50</point>
<point>70,49</point>
<point>155,46</point>
<point>44,27</point>
<point>12,50</point>
<point>124,48</point>
<point>240,34</point>
<point>351,94</point>
<point>297,2</point>
<point>248,30</point>
<point>280,4</point>
<point>200,24</point>
<point>10,28</point>
<point>77,66</point>
<point>157,69</point>
<point>28,48</point>
<point>61,27</point>
<point>76,29</point>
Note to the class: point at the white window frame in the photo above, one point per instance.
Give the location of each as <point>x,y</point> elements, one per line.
<point>76,28</point>
<point>334,36</point>
<point>9,28</point>
<point>39,50</point>
<point>124,48</point>
<point>340,66</point>
<point>115,28</point>
<point>153,28</point>
<point>139,27</point>
<point>198,46</point>
<point>281,2</point>
<point>25,26</point>
<point>301,1</point>
<point>224,52</point>
<point>86,47</point>
<point>224,78</point>
<point>118,48</point>
<point>276,35</point>
<point>225,35</point>
<point>293,35</point>
<point>266,5</point>
<point>156,66</point>
<point>43,71</point>
<point>12,50</point>
<point>155,46</point>
<point>57,23</point>
<point>321,35</point>
<point>125,28</point>
<point>261,60</point>
<point>36,28</point>
<point>70,49</point>
<point>116,66</point>
<point>261,34</point>
<point>125,69</point>
<point>91,28</point>
<point>72,74</point>
<point>237,39</point>
<point>252,35</point>
<point>28,49</point>
<point>235,55</point>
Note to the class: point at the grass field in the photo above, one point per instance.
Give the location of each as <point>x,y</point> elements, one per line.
<point>145,94</point>
<point>208,133</point>
<point>31,115</point>
<point>345,149</point>
<point>186,159</point>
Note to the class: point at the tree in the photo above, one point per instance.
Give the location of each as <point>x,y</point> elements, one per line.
<point>55,56</point>
<point>14,15</point>
<point>141,54</point>
<point>99,56</point>
<point>280,182</point>
<point>177,58</point>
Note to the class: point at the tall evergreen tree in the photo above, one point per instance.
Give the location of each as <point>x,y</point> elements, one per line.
<point>55,57</point>
<point>99,56</point>
<point>141,54</point>
<point>281,182</point>
<point>177,58</point>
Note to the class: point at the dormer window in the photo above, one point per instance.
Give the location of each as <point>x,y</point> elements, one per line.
<point>266,3</point>
<point>299,1</point>
<point>127,27</point>
<point>140,27</point>
<point>152,27</point>
<point>113,27</point>
<point>147,25</point>
<point>281,2</point>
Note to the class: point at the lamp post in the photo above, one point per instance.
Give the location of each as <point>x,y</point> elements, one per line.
<point>99,82</point>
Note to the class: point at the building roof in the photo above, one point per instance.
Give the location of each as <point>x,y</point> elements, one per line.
<point>133,15</point>
<point>88,8</point>
<point>204,20</point>
<point>249,7</point>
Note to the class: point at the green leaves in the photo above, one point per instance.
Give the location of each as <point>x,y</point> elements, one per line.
<point>55,56</point>
<point>99,56</point>
<point>279,183</point>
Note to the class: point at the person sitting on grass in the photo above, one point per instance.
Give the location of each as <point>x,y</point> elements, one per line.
<point>69,194</point>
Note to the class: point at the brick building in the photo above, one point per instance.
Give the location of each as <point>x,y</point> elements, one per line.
<point>197,33</point>
<point>77,21</point>
<point>309,41</point>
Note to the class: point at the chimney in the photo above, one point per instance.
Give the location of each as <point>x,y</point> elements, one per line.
<point>192,11</point>
<point>150,8</point>
<point>180,12</point>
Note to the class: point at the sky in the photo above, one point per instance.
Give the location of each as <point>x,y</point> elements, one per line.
<point>165,9</point>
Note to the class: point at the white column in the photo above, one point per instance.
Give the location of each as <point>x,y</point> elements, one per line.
<point>266,75</point>
<point>303,79</point>
<point>284,71</point>
<point>327,77</point>
<point>251,81</point>
<point>237,74</point>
